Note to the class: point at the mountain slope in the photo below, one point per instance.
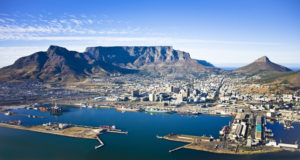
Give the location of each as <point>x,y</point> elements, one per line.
<point>205,63</point>
<point>56,64</point>
<point>262,65</point>
<point>60,64</point>
<point>293,80</point>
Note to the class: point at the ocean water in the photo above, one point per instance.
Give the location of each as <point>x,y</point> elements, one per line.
<point>234,68</point>
<point>140,143</point>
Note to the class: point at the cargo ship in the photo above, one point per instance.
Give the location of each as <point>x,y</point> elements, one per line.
<point>157,110</point>
<point>128,109</point>
<point>192,113</point>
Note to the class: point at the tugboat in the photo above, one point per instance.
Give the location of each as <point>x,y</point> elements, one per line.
<point>43,109</point>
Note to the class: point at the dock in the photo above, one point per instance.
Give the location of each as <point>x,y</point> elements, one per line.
<point>101,143</point>
<point>209,144</point>
<point>178,148</point>
<point>117,131</point>
<point>75,131</point>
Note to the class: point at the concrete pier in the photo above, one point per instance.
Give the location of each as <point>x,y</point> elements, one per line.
<point>74,131</point>
<point>101,143</point>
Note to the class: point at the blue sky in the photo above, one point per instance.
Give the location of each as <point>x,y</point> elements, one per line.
<point>223,32</point>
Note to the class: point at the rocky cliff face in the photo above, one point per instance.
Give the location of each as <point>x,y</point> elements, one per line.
<point>162,59</point>
<point>60,64</point>
<point>138,56</point>
<point>262,65</point>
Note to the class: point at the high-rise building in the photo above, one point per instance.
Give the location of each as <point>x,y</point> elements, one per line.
<point>135,93</point>
<point>151,97</point>
<point>176,90</point>
<point>179,97</point>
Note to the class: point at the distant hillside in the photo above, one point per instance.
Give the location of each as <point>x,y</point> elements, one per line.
<point>58,64</point>
<point>293,79</point>
<point>262,65</point>
<point>205,63</point>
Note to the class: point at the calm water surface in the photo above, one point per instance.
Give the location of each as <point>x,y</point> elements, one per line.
<point>140,143</point>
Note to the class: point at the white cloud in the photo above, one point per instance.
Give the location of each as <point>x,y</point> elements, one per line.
<point>162,40</point>
<point>76,21</point>
<point>90,21</point>
<point>10,19</point>
<point>67,25</point>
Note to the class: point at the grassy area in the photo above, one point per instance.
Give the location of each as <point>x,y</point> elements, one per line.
<point>269,77</point>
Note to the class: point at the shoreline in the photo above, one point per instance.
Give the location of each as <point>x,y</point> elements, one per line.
<point>206,144</point>
<point>190,146</point>
<point>40,130</point>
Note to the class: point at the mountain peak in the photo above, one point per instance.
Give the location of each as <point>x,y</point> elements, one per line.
<point>262,64</point>
<point>263,59</point>
<point>56,49</point>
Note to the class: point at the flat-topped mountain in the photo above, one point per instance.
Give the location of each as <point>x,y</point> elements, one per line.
<point>138,56</point>
<point>60,64</point>
<point>262,65</point>
<point>163,59</point>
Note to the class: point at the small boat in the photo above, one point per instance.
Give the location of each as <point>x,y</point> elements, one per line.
<point>8,113</point>
<point>43,109</point>
<point>15,122</point>
<point>55,110</point>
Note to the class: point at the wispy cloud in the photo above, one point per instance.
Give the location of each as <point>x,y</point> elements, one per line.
<point>90,28</point>
<point>158,40</point>
<point>67,25</point>
<point>76,21</point>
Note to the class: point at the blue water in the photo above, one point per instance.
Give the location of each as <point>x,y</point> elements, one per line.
<point>234,68</point>
<point>140,143</point>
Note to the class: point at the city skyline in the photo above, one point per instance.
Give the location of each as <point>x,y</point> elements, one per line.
<point>223,33</point>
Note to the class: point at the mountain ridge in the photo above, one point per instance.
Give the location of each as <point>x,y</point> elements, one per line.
<point>59,64</point>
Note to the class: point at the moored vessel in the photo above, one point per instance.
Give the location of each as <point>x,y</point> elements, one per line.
<point>128,109</point>
<point>157,110</point>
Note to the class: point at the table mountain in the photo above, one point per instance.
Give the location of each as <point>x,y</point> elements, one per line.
<point>163,59</point>
<point>60,64</point>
